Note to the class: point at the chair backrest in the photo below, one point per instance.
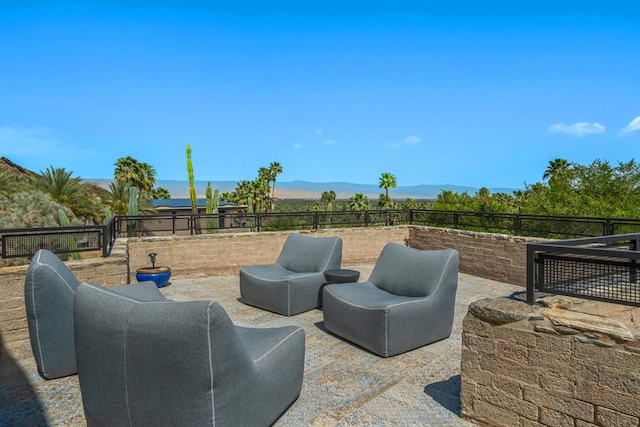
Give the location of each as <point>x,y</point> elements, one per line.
<point>155,363</point>
<point>401,270</point>
<point>49,290</point>
<point>311,254</point>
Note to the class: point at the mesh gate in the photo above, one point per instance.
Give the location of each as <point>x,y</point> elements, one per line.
<point>603,279</point>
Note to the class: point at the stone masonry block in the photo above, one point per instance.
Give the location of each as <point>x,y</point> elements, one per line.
<point>530,423</point>
<point>471,325</point>
<point>510,350</point>
<point>516,335</point>
<point>508,368</point>
<point>494,415</point>
<point>567,367</point>
<point>509,402</point>
<point>608,398</point>
<point>621,378</point>
<point>554,344</point>
<point>508,385</point>
<point>608,418</point>
<point>479,344</point>
<point>554,418</point>
<point>557,383</point>
<point>566,405</point>
<point>614,356</point>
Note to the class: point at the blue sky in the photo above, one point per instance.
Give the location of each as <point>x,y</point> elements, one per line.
<point>464,93</point>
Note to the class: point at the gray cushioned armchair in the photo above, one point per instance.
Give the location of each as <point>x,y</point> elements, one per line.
<point>49,290</point>
<point>180,363</point>
<point>407,302</point>
<point>294,283</point>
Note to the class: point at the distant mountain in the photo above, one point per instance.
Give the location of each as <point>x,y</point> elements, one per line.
<point>313,190</point>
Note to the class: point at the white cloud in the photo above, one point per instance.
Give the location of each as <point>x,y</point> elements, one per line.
<point>318,131</point>
<point>297,146</point>
<point>330,141</point>
<point>578,129</point>
<point>634,126</point>
<point>21,141</point>
<point>410,140</point>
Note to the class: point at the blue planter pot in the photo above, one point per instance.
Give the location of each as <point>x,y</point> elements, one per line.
<point>159,275</point>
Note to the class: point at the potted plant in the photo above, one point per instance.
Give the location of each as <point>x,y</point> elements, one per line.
<point>159,275</point>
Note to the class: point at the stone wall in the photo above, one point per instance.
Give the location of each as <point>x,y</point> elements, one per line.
<point>487,255</point>
<point>498,257</point>
<point>112,271</point>
<point>217,254</point>
<point>568,362</point>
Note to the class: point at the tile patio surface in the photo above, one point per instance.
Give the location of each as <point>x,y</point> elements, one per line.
<point>344,385</point>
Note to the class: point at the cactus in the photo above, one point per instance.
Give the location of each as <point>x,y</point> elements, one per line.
<point>192,191</point>
<point>249,210</point>
<point>216,218</point>
<point>132,225</point>
<point>64,222</point>
<point>212,209</point>
<point>107,214</point>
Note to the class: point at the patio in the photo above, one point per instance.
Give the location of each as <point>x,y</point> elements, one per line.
<point>343,384</point>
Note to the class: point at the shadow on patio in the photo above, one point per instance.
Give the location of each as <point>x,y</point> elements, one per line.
<point>343,384</point>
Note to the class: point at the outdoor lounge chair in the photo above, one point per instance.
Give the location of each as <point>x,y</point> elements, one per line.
<point>294,283</point>
<point>407,302</point>
<point>49,290</point>
<point>180,363</point>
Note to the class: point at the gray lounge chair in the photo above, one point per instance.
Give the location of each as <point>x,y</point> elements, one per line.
<point>180,363</point>
<point>294,283</point>
<point>407,302</point>
<point>49,290</point>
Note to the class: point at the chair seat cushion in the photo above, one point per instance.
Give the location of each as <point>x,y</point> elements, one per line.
<point>366,295</point>
<point>277,289</point>
<point>383,323</point>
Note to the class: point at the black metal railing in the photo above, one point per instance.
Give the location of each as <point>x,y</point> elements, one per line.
<point>600,268</point>
<point>21,242</point>
<point>515,224</point>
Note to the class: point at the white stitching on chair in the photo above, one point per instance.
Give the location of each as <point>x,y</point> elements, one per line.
<point>35,312</point>
<point>335,243</point>
<point>277,345</point>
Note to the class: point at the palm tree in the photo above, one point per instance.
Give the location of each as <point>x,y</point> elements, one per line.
<point>125,170</point>
<point>555,167</point>
<point>134,173</point>
<point>119,200</point>
<point>358,202</point>
<point>327,198</point>
<point>275,169</point>
<point>147,176</point>
<point>58,184</point>
<point>387,180</point>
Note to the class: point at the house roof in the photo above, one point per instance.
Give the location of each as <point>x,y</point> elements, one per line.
<point>183,203</point>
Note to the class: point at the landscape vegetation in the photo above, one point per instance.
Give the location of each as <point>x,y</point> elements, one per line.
<point>29,199</point>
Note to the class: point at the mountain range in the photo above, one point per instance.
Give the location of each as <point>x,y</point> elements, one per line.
<point>313,190</point>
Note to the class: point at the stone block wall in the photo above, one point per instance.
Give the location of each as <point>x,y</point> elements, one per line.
<point>112,271</point>
<point>493,256</point>
<point>575,364</point>
<point>487,255</point>
<point>216,254</point>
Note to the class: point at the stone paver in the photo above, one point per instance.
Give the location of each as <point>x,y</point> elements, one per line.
<point>344,385</point>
